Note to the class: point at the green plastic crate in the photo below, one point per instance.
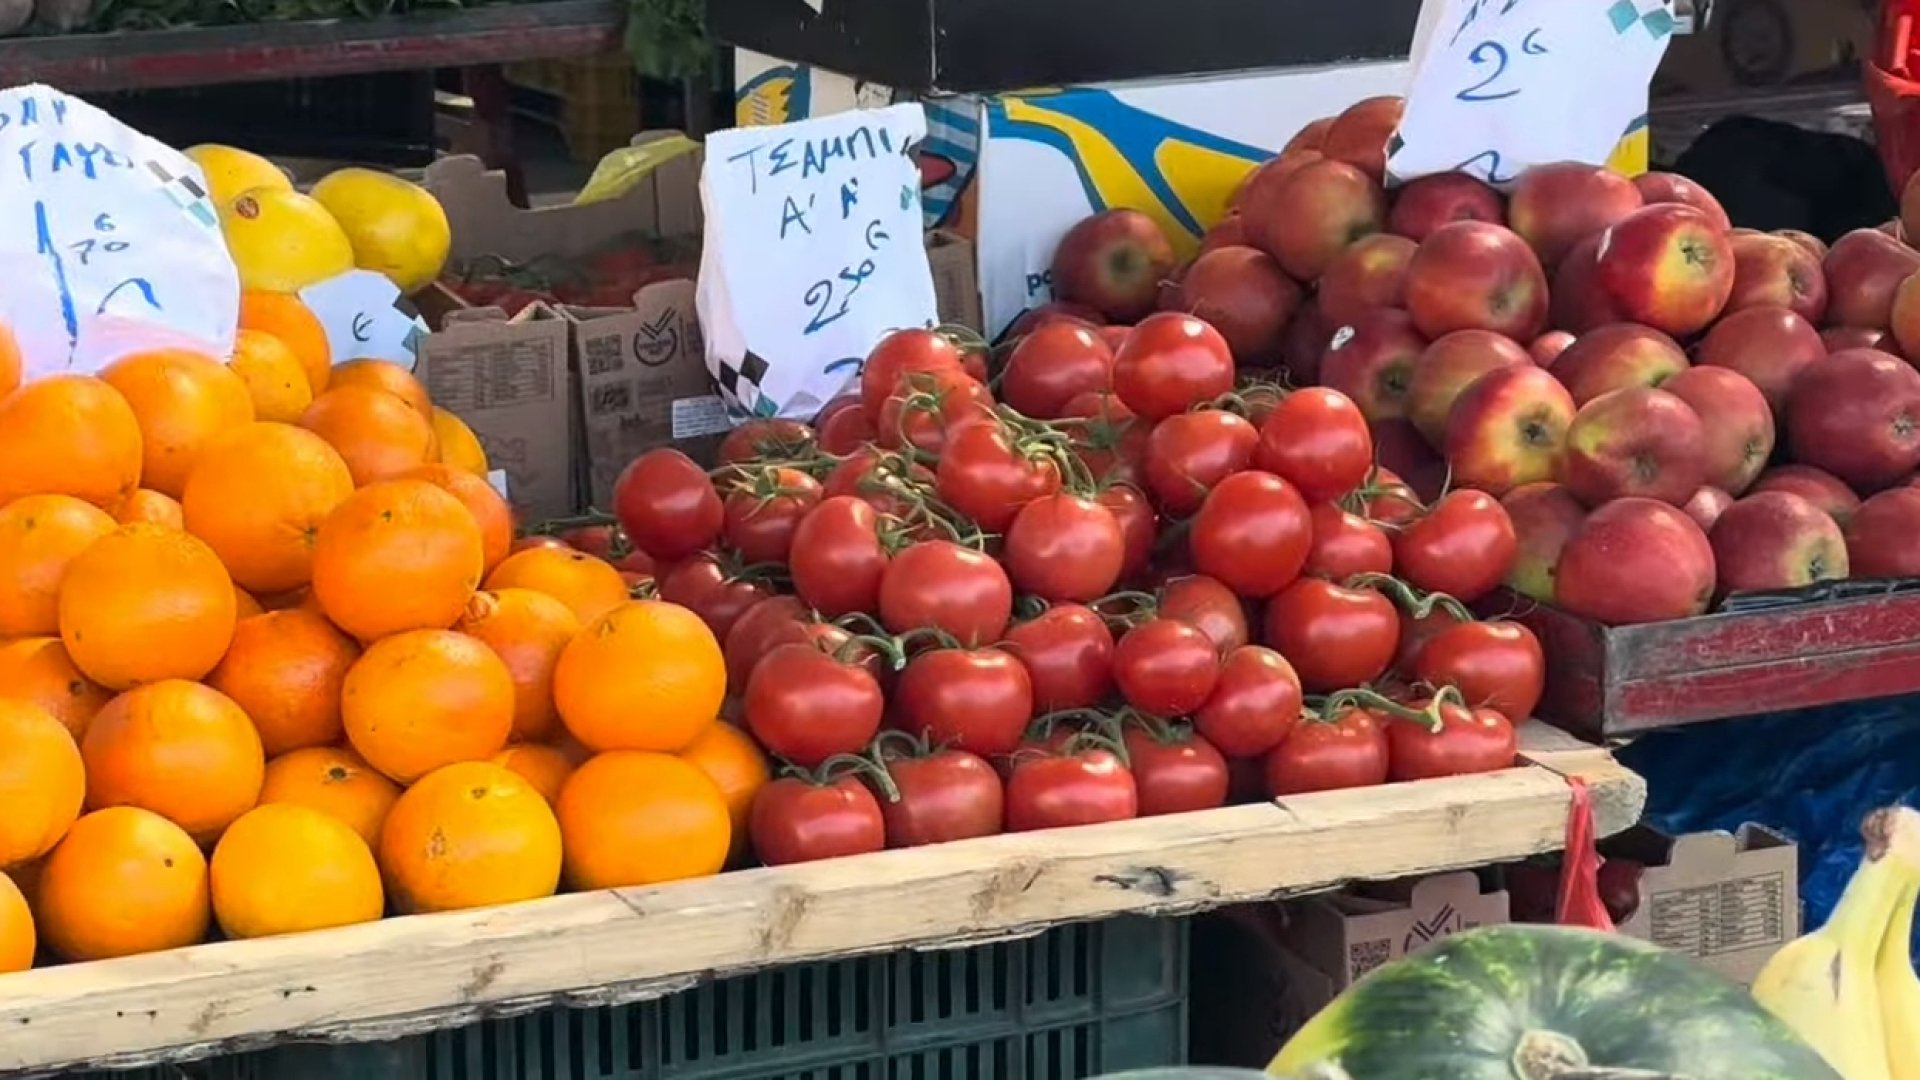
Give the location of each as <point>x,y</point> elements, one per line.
<point>1072,1003</point>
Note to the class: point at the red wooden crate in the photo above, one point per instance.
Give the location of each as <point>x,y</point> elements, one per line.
<point>1608,681</point>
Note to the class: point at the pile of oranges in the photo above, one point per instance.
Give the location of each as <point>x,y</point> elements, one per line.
<point>271,660</point>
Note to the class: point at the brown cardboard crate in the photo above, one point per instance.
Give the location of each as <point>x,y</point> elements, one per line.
<point>1729,900</point>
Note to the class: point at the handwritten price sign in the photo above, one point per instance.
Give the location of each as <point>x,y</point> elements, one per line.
<point>813,252</point>
<point>109,244</point>
<point>1503,85</point>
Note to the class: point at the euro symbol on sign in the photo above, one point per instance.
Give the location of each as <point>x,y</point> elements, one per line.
<point>362,322</point>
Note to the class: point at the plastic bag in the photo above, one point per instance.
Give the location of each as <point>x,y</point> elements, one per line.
<point>1580,903</point>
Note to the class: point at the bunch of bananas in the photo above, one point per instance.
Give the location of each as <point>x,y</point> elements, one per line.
<point>1849,989</point>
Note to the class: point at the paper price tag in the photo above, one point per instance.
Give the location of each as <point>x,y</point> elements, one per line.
<point>1502,85</point>
<point>365,318</point>
<point>109,244</point>
<point>813,253</point>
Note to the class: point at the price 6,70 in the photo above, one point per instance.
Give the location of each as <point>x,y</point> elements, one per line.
<point>821,296</point>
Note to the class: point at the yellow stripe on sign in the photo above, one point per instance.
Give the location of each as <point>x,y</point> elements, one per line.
<point>1632,155</point>
<point>1205,180</point>
<point>1113,177</point>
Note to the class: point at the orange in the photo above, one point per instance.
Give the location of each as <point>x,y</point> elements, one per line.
<point>40,536</point>
<point>459,446</point>
<point>378,434</point>
<point>245,606</point>
<point>69,435</point>
<point>146,603</point>
<point>384,375</point>
<point>397,556</point>
<point>275,380</point>
<point>645,676</point>
<point>285,869</point>
<point>17,940</point>
<point>733,761</point>
<point>184,400</point>
<point>179,749</point>
<point>545,767</point>
<point>286,317</point>
<point>527,630</point>
<point>258,496</point>
<point>466,836</point>
<point>630,818</point>
<point>39,671</point>
<point>590,586</point>
<point>12,366</point>
<point>151,507</point>
<point>285,671</point>
<point>489,510</point>
<point>417,701</point>
<point>42,782</point>
<point>125,881</point>
<point>333,780</point>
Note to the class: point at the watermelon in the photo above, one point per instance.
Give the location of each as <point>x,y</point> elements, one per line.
<point>1546,1003</point>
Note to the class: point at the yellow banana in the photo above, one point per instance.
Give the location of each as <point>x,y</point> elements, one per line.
<point>1900,990</point>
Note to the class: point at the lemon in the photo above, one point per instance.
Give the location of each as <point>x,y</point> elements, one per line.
<point>283,241</point>
<point>459,447</point>
<point>397,228</point>
<point>231,171</point>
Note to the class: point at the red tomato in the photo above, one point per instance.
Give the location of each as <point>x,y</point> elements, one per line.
<point>1065,547</point>
<point>1032,319</point>
<point>807,706</point>
<point>927,408</point>
<point>639,562</point>
<point>1462,546</point>
<point>1498,665</point>
<point>1349,751</point>
<point>1469,741</point>
<point>598,541</point>
<point>1170,363</point>
<point>1346,544</point>
<point>1318,440</point>
<point>936,584</point>
<point>539,540</point>
<point>667,505</point>
<point>985,476</point>
<point>1054,791</point>
<point>889,482</point>
<point>979,700</point>
<point>1254,705</point>
<point>1209,607</point>
<point>1335,637</point>
<point>1188,454</point>
<point>1175,773</point>
<point>1415,632</point>
<point>1396,503</point>
<point>1115,336</point>
<point>703,586</point>
<point>1068,653</point>
<point>762,513</point>
<point>796,821</point>
<point>844,426</point>
<point>899,354</point>
<point>1252,534</point>
<point>1165,667</point>
<point>1059,360</point>
<point>945,795</point>
<point>765,440</point>
<point>837,559</point>
<point>756,631</point>
<point>1138,525</point>
<point>1110,441</point>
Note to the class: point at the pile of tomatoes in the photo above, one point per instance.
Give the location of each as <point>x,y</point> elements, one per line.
<point>1110,580</point>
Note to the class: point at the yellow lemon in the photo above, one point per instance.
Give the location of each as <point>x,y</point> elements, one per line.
<point>283,241</point>
<point>397,228</point>
<point>274,377</point>
<point>231,171</point>
<point>459,447</point>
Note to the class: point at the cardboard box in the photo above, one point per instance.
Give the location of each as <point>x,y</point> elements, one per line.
<point>1729,901</point>
<point>956,282</point>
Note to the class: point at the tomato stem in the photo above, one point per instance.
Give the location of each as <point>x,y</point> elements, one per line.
<point>1415,603</point>
<point>1144,606</point>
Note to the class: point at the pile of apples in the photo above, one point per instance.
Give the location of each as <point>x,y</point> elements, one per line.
<point>1670,408</point>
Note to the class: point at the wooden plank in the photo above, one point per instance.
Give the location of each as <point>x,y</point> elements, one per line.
<point>1772,686</point>
<point>407,975</point>
<point>144,60</point>
<point>1688,646</point>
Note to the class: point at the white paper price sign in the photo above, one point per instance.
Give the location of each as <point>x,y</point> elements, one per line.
<point>109,244</point>
<point>1503,85</point>
<point>813,252</point>
<point>365,318</point>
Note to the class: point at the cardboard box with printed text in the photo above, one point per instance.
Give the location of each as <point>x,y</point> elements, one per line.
<point>1729,900</point>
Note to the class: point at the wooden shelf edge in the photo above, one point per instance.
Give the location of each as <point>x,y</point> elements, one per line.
<point>404,976</point>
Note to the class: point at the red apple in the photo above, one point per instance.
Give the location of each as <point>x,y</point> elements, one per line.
<point>1856,414</point>
<point>1864,270</point>
<point>1665,187</point>
<point>1372,361</point>
<point>1508,428</point>
<point>1556,206</point>
<point>1738,423</point>
<point>1841,338</point>
<point>1769,345</point>
<point>1776,540</point>
<point>1706,506</point>
<point>1548,346</point>
<point>1246,296</point>
<point>1617,356</point>
<point>1425,204</point>
<point>1370,274</point>
<point>1636,561</point>
<point>1230,231</point>
<point>1579,303</point>
<point>1894,228</point>
<point>1114,263</point>
<point>1258,192</point>
<point>1317,211</point>
<point>1545,516</point>
<point>1400,449</point>
<point>1910,208</point>
<point>1880,538</point>
<point>1472,275</point>
<point>1905,316</point>
<point>1635,443</point>
<point>1311,137</point>
<point>1031,319</point>
<point>1814,245</point>
<point>1305,341</point>
<point>1772,271</point>
<point>1817,486</point>
<point>1667,266</point>
<point>1447,368</point>
<point>1359,135</point>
